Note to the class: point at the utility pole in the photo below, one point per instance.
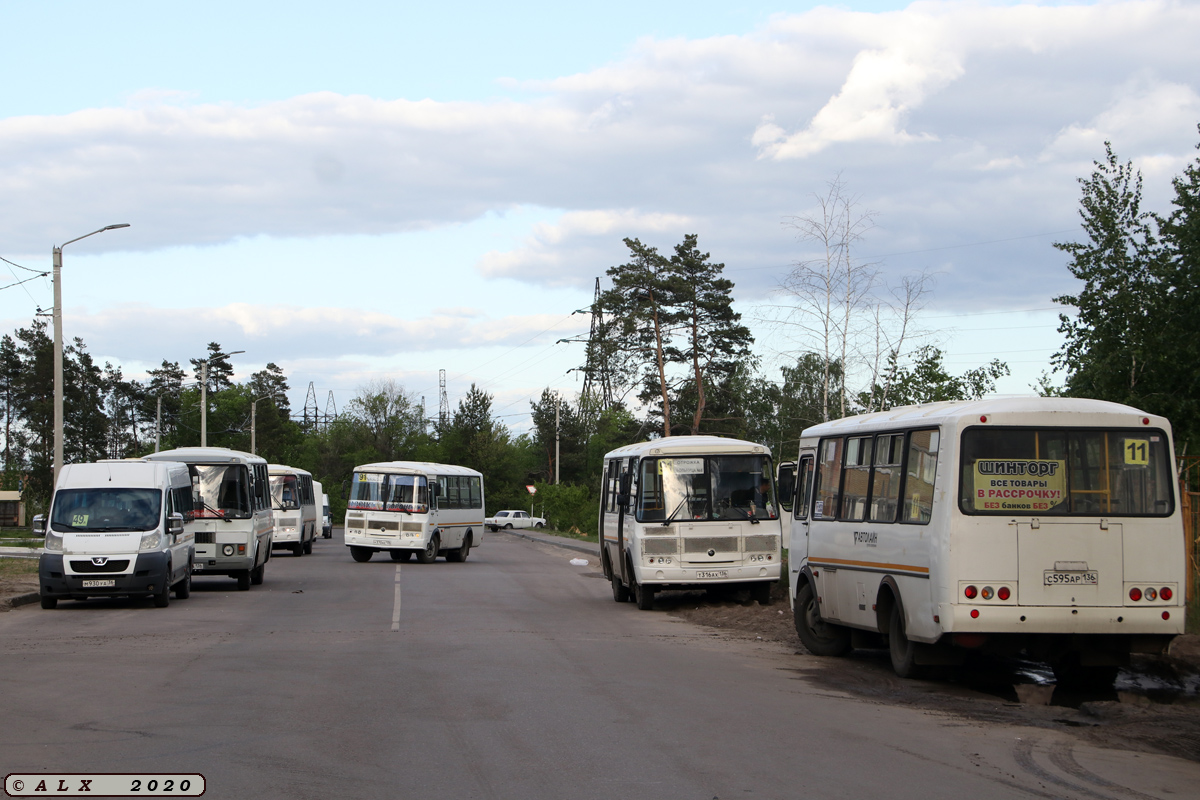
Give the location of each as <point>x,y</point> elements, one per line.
<point>157,422</point>
<point>557,408</point>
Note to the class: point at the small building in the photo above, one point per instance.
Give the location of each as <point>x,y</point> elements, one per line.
<point>12,510</point>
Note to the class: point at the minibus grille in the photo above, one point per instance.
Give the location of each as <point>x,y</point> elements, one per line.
<point>658,530</point>
<point>413,527</point>
<point>702,544</point>
<point>383,525</point>
<point>660,547</point>
<point>206,537</point>
<point>111,566</point>
<point>761,544</point>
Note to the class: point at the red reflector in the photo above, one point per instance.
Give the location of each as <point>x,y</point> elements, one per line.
<point>974,613</point>
<point>1004,593</point>
<point>1135,594</point>
<point>983,418</point>
<point>1166,615</point>
<point>970,592</point>
<point>1145,420</point>
<point>1165,593</point>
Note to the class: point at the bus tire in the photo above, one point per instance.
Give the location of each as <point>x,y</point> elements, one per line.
<point>162,598</point>
<point>308,547</point>
<point>761,592</point>
<point>258,574</point>
<point>400,555</point>
<point>902,649</point>
<point>644,595</point>
<point>297,549</point>
<point>243,580</point>
<point>430,553</point>
<point>620,590</point>
<point>183,589</point>
<point>361,554</point>
<point>460,554</point>
<point>49,602</point>
<point>818,636</point>
<point>1070,674</point>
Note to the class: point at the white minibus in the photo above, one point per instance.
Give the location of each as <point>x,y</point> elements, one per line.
<point>1041,525</point>
<point>414,507</point>
<point>294,507</point>
<point>232,517</point>
<point>688,512</point>
<point>116,528</point>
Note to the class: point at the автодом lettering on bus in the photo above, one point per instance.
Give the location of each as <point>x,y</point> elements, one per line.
<point>408,508</point>
<point>689,512</point>
<point>1048,525</point>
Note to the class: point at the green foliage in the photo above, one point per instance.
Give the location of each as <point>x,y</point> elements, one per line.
<point>1135,334</point>
<point>568,507</point>
<point>927,381</point>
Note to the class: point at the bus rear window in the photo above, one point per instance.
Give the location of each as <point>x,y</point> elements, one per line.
<point>1065,472</point>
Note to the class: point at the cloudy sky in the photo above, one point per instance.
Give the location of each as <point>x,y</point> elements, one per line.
<point>386,191</point>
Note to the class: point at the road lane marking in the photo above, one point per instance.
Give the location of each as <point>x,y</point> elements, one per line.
<point>396,605</point>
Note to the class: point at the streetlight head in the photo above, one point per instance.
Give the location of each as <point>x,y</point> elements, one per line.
<point>118,225</point>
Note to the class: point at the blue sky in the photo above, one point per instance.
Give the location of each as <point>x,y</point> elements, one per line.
<point>386,190</point>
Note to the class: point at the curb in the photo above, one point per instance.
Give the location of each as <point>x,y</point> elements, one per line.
<point>19,600</point>
<point>590,549</point>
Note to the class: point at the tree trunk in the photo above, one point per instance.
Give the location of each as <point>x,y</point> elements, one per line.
<point>662,371</point>
<point>700,401</point>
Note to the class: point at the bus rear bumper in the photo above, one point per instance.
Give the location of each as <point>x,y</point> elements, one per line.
<point>693,577</point>
<point>956,618</point>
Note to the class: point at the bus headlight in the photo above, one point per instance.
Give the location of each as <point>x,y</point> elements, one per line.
<point>150,541</point>
<point>227,550</point>
<point>54,542</point>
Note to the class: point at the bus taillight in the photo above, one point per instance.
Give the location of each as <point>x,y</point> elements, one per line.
<point>1151,594</point>
<point>1004,593</point>
<point>970,592</point>
<point>1135,594</point>
<point>1165,593</point>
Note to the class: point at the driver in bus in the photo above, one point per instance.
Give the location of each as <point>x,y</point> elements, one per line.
<point>762,498</point>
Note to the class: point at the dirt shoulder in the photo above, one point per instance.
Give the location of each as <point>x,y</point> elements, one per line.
<point>18,578</point>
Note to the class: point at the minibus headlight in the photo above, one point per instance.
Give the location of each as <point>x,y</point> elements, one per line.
<point>149,541</point>
<point>54,542</point>
<point>227,549</point>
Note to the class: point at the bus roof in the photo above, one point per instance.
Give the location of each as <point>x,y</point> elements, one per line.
<point>206,455</point>
<point>281,469</point>
<point>417,467</point>
<point>689,445</point>
<point>1030,410</point>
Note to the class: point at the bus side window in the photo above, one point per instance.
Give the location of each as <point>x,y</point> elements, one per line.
<point>803,487</point>
<point>920,470</point>
<point>885,480</point>
<point>476,492</point>
<point>857,478</point>
<point>829,480</point>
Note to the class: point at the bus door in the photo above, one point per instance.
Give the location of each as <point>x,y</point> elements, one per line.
<point>801,504</point>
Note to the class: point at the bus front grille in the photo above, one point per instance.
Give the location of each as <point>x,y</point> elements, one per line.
<point>206,537</point>
<point>761,544</point>
<point>658,530</point>
<point>384,525</point>
<point>702,544</point>
<point>660,547</point>
<point>111,566</point>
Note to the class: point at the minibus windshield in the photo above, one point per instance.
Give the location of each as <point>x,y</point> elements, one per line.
<point>370,491</point>
<point>706,488</point>
<point>1066,472</point>
<point>221,491</point>
<point>285,491</point>
<point>106,510</point>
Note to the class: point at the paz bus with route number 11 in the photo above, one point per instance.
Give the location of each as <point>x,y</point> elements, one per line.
<point>409,508</point>
<point>689,512</point>
<point>1043,525</point>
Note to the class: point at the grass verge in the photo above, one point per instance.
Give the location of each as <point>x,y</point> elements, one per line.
<point>577,536</point>
<point>15,567</point>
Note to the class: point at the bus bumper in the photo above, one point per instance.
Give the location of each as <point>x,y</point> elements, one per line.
<point>668,577</point>
<point>956,618</point>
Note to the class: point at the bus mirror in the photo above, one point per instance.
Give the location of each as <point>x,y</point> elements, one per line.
<point>175,524</point>
<point>623,490</point>
<point>39,525</point>
<point>437,490</point>
<point>786,484</point>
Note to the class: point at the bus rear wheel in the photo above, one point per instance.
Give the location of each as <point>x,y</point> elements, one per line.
<point>258,574</point>
<point>430,553</point>
<point>1070,674</point>
<point>818,636</point>
<point>308,547</point>
<point>620,590</point>
<point>461,553</point>
<point>902,649</point>
<point>361,554</point>
<point>243,580</point>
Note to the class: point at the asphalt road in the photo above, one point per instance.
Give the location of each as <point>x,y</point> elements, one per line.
<point>513,675</point>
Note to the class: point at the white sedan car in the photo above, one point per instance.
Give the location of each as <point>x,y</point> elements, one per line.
<point>513,519</point>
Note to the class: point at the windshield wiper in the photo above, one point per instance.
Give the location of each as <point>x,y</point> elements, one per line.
<point>682,502</point>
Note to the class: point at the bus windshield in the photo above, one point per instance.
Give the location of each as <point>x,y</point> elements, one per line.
<point>379,491</point>
<point>1067,472</point>
<point>106,510</point>
<point>285,491</point>
<point>221,491</point>
<point>706,488</point>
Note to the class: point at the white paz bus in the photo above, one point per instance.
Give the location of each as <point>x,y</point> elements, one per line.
<point>416,508</point>
<point>689,512</point>
<point>294,504</point>
<point>1044,525</point>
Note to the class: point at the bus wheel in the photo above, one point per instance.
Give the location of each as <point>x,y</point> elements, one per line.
<point>761,592</point>
<point>620,590</point>
<point>49,602</point>
<point>902,649</point>
<point>361,554</point>
<point>308,547</point>
<point>162,598</point>
<point>644,595</point>
<point>818,636</point>
<point>258,574</point>
<point>400,555</point>
<point>297,549</point>
<point>430,553</point>
<point>243,579</point>
<point>461,553</point>
<point>1070,674</point>
<point>183,589</point>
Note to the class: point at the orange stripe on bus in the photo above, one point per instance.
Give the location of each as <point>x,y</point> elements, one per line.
<point>846,562</point>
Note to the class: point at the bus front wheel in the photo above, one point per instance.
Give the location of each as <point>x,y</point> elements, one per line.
<point>818,636</point>
<point>620,590</point>
<point>644,595</point>
<point>361,554</point>
<point>430,553</point>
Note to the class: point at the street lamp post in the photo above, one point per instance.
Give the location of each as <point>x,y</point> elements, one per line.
<point>58,345</point>
<point>204,392</point>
